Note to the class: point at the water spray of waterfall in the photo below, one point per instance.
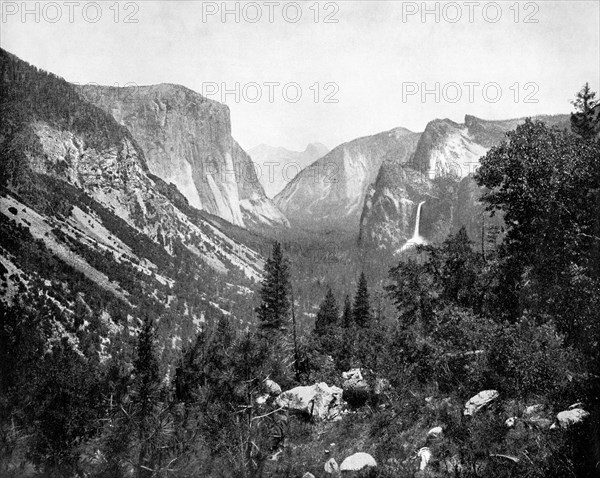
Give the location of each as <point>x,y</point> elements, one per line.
<point>416,239</point>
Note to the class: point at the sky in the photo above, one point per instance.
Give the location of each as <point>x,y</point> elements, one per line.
<point>324,72</point>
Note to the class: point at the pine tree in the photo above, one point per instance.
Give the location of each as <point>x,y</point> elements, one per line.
<point>273,313</point>
<point>347,314</point>
<point>328,314</point>
<point>361,312</point>
<point>584,99</point>
<point>147,385</point>
<point>583,122</point>
<point>146,365</point>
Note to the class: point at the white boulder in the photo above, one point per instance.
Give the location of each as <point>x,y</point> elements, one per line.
<point>262,399</point>
<point>331,467</point>
<point>318,400</point>
<point>425,455</point>
<point>569,417</point>
<point>308,475</point>
<point>511,422</point>
<point>272,387</point>
<point>479,401</point>
<point>357,462</point>
<point>435,432</point>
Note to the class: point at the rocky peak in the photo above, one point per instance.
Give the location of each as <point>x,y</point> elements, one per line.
<point>187,141</point>
<point>330,193</point>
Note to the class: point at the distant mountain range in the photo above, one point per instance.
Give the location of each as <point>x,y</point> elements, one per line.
<point>277,166</point>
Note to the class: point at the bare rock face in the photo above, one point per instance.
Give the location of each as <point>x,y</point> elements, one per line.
<point>329,194</point>
<point>187,141</point>
<point>446,147</point>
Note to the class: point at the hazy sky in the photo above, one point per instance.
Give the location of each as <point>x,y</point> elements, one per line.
<point>369,61</point>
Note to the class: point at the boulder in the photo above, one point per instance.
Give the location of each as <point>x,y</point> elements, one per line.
<point>272,387</point>
<point>533,410</point>
<point>356,388</point>
<point>540,422</point>
<point>357,462</point>
<point>534,415</point>
<point>262,399</point>
<point>318,400</point>
<point>354,373</point>
<point>435,432</point>
<point>308,475</point>
<point>511,422</point>
<point>479,401</point>
<point>569,417</point>
<point>331,467</point>
<point>425,455</point>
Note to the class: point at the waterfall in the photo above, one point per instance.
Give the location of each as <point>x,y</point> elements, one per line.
<point>416,234</point>
<point>416,238</point>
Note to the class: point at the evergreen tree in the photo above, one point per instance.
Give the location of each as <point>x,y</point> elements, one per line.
<point>583,122</point>
<point>328,314</point>
<point>458,269</point>
<point>274,310</point>
<point>361,312</point>
<point>147,383</point>
<point>347,314</point>
<point>584,99</point>
<point>146,366</point>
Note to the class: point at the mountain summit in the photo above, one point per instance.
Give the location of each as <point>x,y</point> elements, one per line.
<point>330,193</point>
<point>277,166</point>
<point>187,141</point>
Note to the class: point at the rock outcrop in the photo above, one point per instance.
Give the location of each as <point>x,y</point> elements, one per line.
<point>187,141</point>
<point>319,400</point>
<point>477,402</point>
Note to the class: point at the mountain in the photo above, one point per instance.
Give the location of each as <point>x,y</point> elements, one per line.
<point>329,194</point>
<point>187,141</point>
<point>85,222</point>
<point>277,166</point>
<point>449,147</point>
<point>445,150</point>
